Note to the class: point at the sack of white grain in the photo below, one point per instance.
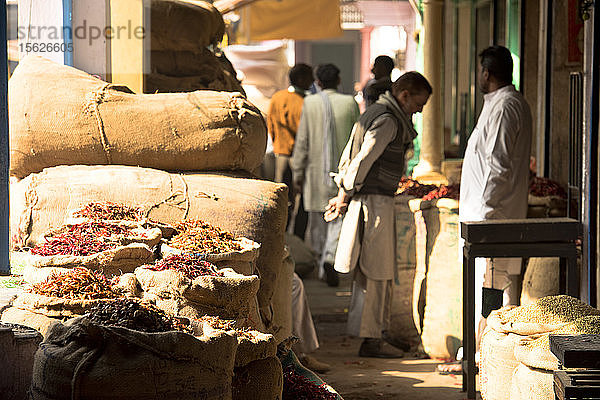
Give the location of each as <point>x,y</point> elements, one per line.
<point>442,320</point>
<point>184,25</point>
<point>97,361</point>
<point>100,123</point>
<point>497,360</point>
<point>240,204</point>
<point>222,293</point>
<point>540,280</point>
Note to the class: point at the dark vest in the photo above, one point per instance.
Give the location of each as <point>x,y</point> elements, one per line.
<point>386,171</point>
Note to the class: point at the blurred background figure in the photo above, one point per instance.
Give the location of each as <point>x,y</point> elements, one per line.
<point>381,82</point>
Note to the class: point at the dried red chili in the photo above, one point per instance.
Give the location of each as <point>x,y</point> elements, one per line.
<point>82,239</point>
<point>79,283</point>
<point>542,187</point>
<point>298,387</point>
<point>109,211</point>
<point>196,236</point>
<point>192,266</point>
<point>410,187</point>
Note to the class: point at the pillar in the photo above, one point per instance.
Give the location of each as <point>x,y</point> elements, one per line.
<point>432,140</point>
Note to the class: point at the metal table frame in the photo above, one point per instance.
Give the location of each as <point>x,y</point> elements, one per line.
<point>555,237</point>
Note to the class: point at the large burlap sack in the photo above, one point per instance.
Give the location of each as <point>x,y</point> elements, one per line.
<point>99,123</point>
<point>531,384</point>
<point>220,81</point>
<point>534,351</point>
<point>282,299</point>
<point>259,380</point>
<point>497,363</point>
<point>422,248</point>
<point>113,262</point>
<point>240,204</point>
<point>442,321</point>
<point>186,25</point>
<point>402,328</point>
<point>545,315</point>
<point>540,280</point>
<point>228,296</point>
<point>80,359</point>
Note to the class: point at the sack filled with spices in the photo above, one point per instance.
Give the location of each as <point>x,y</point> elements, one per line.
<point>186,285</point>
<point>97,123</point>
<point>252,345</point>
<point>238,203</point>
<point>39,322</point>
<point>128,350</point>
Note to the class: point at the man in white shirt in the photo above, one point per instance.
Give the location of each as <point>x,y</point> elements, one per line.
<point>495,172</point>
<point>371,166</point>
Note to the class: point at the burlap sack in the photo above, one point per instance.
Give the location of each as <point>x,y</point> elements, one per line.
<point>220,81</point>
<point>99,123</point>
<point>150,237</point>
<point>81,360</point>
<point>57,307</point>
<point>540,280</point>
<point>531,384</point>
<point>186,25</point>
<point>259,380</point>
<point>240,204</point>
<point>497,364</point>
<point>227,296</point>
<point>111,262</point>
<point>188,63</point>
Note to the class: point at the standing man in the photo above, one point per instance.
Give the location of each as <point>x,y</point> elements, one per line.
<point>382,80</point>
<point>369,172</point>
<point>325,126</point>
<point>283,119</point>
<point>495,172</point>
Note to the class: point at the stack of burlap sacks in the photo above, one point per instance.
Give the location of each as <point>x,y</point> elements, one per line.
<point>184,36</point>
<point>516,361</point>
<point>76,139</point>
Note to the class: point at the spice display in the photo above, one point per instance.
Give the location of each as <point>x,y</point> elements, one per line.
<point>298,387</point>
<point>444,192</point>
<point>542,187</point>
<point>192,266</point>
<point>227,325</point>
<point>79,283</point>
<point>109,211</point>
<point>196,236</point>
<point>410,187</point>
<point>135,315</point>
<point>81,239</point>
<point>550,310</point>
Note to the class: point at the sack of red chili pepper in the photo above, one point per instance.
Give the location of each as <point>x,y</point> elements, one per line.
<point>252,344</point>
<point>145,360</point>
<point>189,286</point>
<point>410,187</point>
<point>444,192</point>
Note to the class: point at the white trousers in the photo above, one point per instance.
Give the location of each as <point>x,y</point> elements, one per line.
<point>302,322</point>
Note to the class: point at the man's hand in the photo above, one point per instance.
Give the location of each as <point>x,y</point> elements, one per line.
<point>337,206</point>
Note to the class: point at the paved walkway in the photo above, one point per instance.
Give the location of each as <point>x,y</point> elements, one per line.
<point>357,378</point>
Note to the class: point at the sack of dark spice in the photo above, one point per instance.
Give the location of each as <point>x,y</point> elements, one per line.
<point>88,360</point>
<point>222,293</point>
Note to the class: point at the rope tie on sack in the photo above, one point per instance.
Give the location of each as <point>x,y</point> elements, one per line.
<point>93,106</point>
<point>171,199</point>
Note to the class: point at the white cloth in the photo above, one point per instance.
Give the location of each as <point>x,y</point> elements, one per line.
<point>307,158</point>
<point>495,176</point>
<point>302,322</point>
<point>324,238</point>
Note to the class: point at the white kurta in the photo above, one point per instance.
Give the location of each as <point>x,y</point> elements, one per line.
<point>495,174</point>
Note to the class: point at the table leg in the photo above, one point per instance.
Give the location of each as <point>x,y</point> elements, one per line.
<point>572,276</point>
<point>469,325</point>
<point>562,275</point>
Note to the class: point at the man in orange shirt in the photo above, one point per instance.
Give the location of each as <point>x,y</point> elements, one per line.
<point>282,122</point>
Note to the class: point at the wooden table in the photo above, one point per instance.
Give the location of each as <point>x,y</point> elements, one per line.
<point>532,237</point>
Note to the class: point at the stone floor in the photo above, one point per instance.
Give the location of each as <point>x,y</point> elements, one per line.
<point>356,378</point>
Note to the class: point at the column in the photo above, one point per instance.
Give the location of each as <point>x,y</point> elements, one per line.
<point>432,139</point>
